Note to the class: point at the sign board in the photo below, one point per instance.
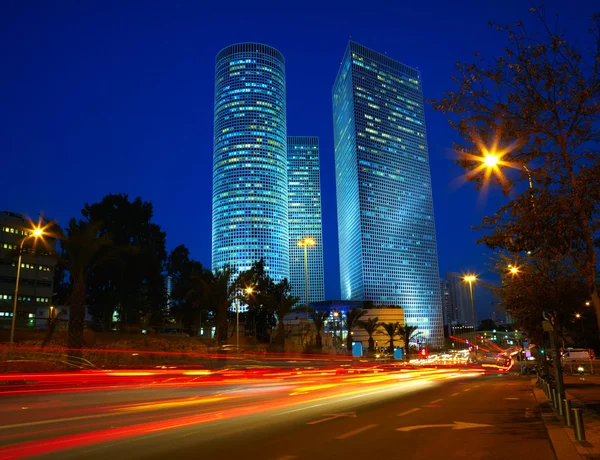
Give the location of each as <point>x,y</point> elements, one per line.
<point>357,349</point>
<point>546,326</point>
<point>398,353</point>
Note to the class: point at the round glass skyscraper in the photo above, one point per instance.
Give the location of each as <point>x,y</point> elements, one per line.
<point>250,178</point>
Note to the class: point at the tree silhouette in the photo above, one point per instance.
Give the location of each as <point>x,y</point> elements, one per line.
<point>536,107</point>
<point>391,329</point>
<point>370,326</point>
<point>352,318</point>
<point>319,318</point>
<point>83,249</point>
<point>406,333</point>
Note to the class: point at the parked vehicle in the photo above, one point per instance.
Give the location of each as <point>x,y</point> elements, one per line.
<point>577,354</point>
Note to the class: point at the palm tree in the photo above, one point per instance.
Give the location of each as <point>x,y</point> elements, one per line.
<point>83,248</point>
<point>407,333</point>
<point>283,307</point>
<point>352,318</point>
<point>221,291</point>
<point>370,326</point>
<point>319,318</point>
<point>391,329</point>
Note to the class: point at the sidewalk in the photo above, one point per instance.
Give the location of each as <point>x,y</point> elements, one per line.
<point>584,393</point>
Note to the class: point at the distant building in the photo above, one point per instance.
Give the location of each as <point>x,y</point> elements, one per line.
<point>250,176</point>
<point>304,216</point>
<point>341,306</point>
<point>461,299</point>
<point>386,229</point>
<point>168,290</point>
<point>448,310</point>
<point>37,270</point>
<point>60,314</point>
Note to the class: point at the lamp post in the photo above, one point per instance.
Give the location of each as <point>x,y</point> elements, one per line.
<point>578,316</point>
<point>248,291</point>
<point>35,233</point>
<point>471,279</point>
<point>306,242</point>
<point>335,317</point>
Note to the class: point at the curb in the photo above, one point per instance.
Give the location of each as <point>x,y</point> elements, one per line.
<point>563,446</point>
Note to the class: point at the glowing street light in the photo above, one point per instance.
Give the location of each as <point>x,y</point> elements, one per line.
<point>471,279</point>
<point>35,233</point>
<point>491,161</point>
<point>249,290</point>
<point>492,158</point>
<point>514,270</point>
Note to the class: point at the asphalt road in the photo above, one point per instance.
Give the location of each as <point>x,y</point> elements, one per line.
<point>425,414</point>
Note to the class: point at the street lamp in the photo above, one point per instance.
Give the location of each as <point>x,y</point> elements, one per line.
<point>514,270</point>
<point>306,242</point>
<point>578,316</point>
<point>35,233</point>
<point>335,317</point>
<point>471,279</point>
<point>248,290</point>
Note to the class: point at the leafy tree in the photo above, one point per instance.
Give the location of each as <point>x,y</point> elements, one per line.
<point>352,318</point>
<point>391,329</point>
<point>407,333</point>
<point>488,325</point>
<point>537,108</point>
<point>319,318</point>
<point>134,286</point>
<point>540,287</point>
<point>370,326</point>
<point>187,294</point>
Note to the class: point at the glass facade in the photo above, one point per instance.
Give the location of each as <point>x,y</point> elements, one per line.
<point>304,205</point>
<point>250,178</point>
<point>386,228</point>
<point>461,299</point>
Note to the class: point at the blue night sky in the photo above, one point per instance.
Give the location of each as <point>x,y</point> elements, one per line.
<point>102,97</point>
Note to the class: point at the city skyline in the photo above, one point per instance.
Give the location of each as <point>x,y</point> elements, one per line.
<point>387,240</point>
<point>140,98</point>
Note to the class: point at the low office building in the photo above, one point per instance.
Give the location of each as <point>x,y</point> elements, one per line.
<point>334,334</point>
<point>383,315</point>
<point>37,270</point>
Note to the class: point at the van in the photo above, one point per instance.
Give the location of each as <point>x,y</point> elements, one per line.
<point>577,354</point>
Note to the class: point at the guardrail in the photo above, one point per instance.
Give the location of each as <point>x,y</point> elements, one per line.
<point>573,417</point>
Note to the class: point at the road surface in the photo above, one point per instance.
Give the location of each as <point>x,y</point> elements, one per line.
<point>421,414</point>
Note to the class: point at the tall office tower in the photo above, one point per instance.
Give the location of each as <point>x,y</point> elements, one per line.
<point>461,299</point>
<point>304,190</point>
<point>447,304</point>
<point>250,178</point>
<point>386,228</point>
